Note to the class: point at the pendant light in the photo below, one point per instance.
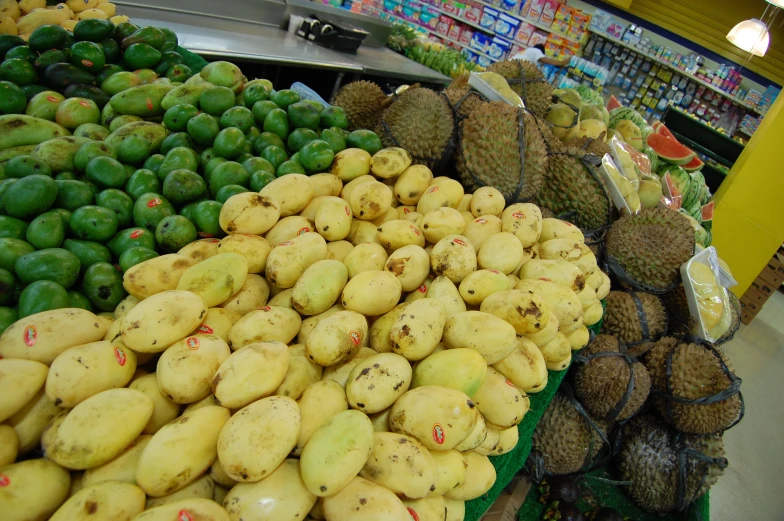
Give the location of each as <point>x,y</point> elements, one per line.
<point>750,35</point>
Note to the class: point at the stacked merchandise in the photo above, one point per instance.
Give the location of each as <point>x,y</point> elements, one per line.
<point>449,62</point>
<point>266,297</point>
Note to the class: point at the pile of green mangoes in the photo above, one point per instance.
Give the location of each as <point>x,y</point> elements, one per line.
<point>113,151</point>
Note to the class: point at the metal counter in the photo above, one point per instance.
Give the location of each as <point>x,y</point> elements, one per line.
<point>215,37</point>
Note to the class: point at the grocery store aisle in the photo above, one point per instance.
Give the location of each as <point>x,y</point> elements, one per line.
<point>751,486</point>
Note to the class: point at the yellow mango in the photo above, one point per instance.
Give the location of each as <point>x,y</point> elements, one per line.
<point>161,320</point>
<point>186,369</point>
<point>215,279</point>
<point>156,275</point>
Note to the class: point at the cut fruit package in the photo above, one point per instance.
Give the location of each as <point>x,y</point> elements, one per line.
<point>707,298</point>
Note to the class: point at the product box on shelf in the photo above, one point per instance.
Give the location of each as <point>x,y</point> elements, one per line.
<point>470,56</point>
<point>489,17</point>
<point>453,7</point>
<point>537,37</point>
<point>480,42</point>
<point>411,11</point>
<point>455,30</point>
<point>600,20</point>
<point>575,32</point>
<point>535,11</point>
<point>466,35</point>
<point>393,7</point>
<point>571,47</point>
<point>525,5</point>
<point>506,25</point>
<point>498,48</point>
<point>559,27</point>
<point>443,24</point>
<point>548,11</point>
<point>484,61</point>
<point>524,32</point>
<point>580,19</point>
<point>356,7</point>
<point>473,11</point>
<point>564,13</point>
<point>429,18</point>
<point>556,40</point>
<point>515,50</point>
<point>509,6</point>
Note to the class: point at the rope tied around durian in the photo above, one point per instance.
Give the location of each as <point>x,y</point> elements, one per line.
<point>685,452</point>
<point>727,336</point>
<point>724,394</point>
<point>615,267</point>
<point>591,463</point>
<point>437,163</point>
<point>624,355</point>
<point>643,317</point>
<point>575,118</point>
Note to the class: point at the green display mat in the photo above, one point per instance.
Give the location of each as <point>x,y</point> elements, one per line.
<point>610,495</point>
<point>509,464</point>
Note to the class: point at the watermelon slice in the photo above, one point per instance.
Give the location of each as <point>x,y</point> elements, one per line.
<point>669,149</point>
<point>613,103</point>
<point>662,130</point>
<point>693,165</point>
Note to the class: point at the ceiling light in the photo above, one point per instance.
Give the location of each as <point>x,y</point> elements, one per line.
<point>751,36</point>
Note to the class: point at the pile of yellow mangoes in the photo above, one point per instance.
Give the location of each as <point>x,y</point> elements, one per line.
<point>25,16</point>
<point>357,347</point>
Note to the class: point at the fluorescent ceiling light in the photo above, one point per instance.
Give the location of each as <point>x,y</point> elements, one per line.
<point>751,36</point>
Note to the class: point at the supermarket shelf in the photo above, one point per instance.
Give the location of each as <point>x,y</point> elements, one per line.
<point>535,23</point>
<point>442,36</point>
<point>692,77</point>
<point>463,20</point>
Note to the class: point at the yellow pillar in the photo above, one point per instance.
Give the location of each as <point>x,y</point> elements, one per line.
<point>748,221</point>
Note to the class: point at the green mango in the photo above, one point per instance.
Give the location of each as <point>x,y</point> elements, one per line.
<point>73,194</point>
<point>228,173</point>
<point>187,94</point>
<point>12,228</point>
<point>177,139</point>
<point>277,122</point>
<point>142,181</point>
<point>227,191</point>
<point>59,153</point>
<point>120,203</point>
<point>216,100</point>
<point>300,137</point>
<point>7,317</point>
<point>178,158</point>
<point>316,156</point>
<point>151,36</point>
<point>56,264</point>
<point>141,56</point>
<point>150,209</point>
<point>154,162</point>
<point>12,249</point>
<point>44,105</point>
<point>303,115</point>
<point>30,196</point>
<point>90,151</point>
<point>40,296</point>
<point>229,143</point>
<point>275,155</point>
<point>203,129</point>
<point>46,231</point>
<point>120,81</point>
<point>131,238</point>
<point>77,300</point>
<point>93,30</point>
<point>334,139</point>
<point>367,140</point>
<point>133,256</point>
<point>258,164</point>
<point>143,101</point>
<point>174,232</point>
<point>153,133</point>
<point>93,223</point>
<point>284,98</point>
<point>18,130</point>
<point>23,166</point>
<point>176,118</point>
<point>182,186</point>
<point>88,252</point>
<point>289,167</point>
<point>333,116</point>
<point>8,287</point>
<point>106,172</point>
<point>59,75</point>
<point>102,284</point>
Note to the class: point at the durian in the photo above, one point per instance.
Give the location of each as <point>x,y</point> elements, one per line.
<point>696,373</point>
<point>649,459</point>
<point>564,439</point>
<point>528,82</point>
<point>677,308</point>
<point>363,102</point>
<point>422,122</point>
<point>489,151</point>
<point>462,97</point>
<point>601,382</point>
<point>622,316</point>
<point>570,186</point>
<point>651,246</point>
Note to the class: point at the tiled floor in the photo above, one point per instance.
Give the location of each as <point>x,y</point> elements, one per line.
<point>751,486</point>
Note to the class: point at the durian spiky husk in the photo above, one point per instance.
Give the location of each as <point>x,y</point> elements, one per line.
<point>563,438</point>
<point>648,458</point>
<point>422,122</point>
<point>490,149</point>
<point>601,382</point>
<point>570,187</point>
<point>638,243</point>
<point>696,373</point>
<point>363,103</point>
<point>677,306</point>
<point>458,90</point>
<point>622,320</point>
<point>536,93</point>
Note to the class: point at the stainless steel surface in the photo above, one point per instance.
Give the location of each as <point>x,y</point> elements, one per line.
<point>231,39</point>
<point>387,63</point>
<point>267,12</point>
<point>265,44</point>
<point>379,29</point>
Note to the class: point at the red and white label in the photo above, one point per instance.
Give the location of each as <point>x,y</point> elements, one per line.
<point>211,241</point>
<point>461,242</point>
<point>413,514</point>
<point>184,515</point>
<point>149,104</point>
<point>348,210</point>
<point>438,434</point>
<point>481,221</point>
<point>207,330</point>
<point>118,268</point>
<point>154,202</point>
<point>52,99</point>
<point>509,382</point>
<point>545,279</point>
<point>416,230</point>
<point>355,338</point>
<point>87,63</point>
<point>119,355</point>
<point>406,210</point>
<point>432,190</point>
<point>266,308</point>
<point>30,336</point>
<point>494,271</point>
<point>422,288</point>
<point>136,234</point>
<point>518,215</point>
<point>84,104</point>
<point>192,343</point>
<point>205,235</point>
<point>287,243</point>
<point>4,480</point>
<point>303,230</point>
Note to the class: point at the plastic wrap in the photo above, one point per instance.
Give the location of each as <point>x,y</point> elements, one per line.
<point>707,298</point>
<point>618,186</point>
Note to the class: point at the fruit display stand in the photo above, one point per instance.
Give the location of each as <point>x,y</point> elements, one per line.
<point>509,464</point>
<point>608,494</point>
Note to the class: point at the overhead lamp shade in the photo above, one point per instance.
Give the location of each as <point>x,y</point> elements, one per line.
<point>777,3</point>
<point>751,36</point>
